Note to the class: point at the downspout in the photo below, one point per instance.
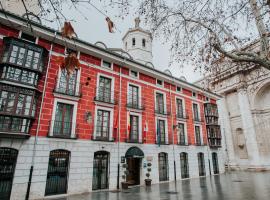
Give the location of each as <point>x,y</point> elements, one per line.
<point>172,118</point>
<point>38,124</point>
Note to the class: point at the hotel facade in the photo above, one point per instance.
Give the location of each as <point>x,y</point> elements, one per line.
<point>68,134</point>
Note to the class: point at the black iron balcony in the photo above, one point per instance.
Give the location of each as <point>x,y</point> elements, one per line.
<point>214,142</point>
<point>162,112</point>
<point>162,140</point>
<point>198,119</point>
<point>210,110</point>
<point>211,120</point>
<point>70,90</point>
<point>62,129</point>
<point>214,135</point>
<point>102,133</point>
<point>135,104</point>
<point>182,115</point>
<point>106,96</point>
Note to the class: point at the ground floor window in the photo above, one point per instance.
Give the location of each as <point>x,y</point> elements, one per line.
<point>184,165</point>
<point>8,159</point>
<point>57,176</point>
<point>201,164</point>
<point>100,170</point>
<point>163,166</point>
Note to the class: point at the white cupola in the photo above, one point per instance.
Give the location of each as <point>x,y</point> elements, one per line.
<point>138,43</point>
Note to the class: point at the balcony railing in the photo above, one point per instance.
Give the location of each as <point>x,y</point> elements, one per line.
<point>62,129</point>
<point>138,105</point>
<point>75,92</point>
<point>182,115</point>
<point>106,96</point>
<point>214,142</point>
<point>102,133</point>
<point>162,112</point>
<point>198,119</point>
<point>210,109</point>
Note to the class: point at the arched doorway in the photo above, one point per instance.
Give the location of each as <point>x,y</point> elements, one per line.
<point>101,170</point>
<point>184,165</point>
<point>8,159</point>
<point>134,157</point>
<point>163,166</point>
<point>215,163</point>
<point>57,175</point>
<point>201,164</point>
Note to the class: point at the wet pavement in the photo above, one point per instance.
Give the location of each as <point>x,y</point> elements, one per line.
<point>229,186</point>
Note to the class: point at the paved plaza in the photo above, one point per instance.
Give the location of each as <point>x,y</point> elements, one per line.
<point>235,186</point>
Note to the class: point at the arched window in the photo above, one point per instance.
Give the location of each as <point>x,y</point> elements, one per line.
<point>133,42</point>
<point>163,166</point>
<point>143,42</point>
<point>57,175</point>
<point>201,164</point>
<point>184,165</point>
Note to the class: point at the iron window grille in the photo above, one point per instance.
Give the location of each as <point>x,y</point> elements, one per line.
<point>184,165</point>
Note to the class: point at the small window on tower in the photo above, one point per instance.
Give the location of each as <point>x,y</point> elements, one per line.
<point>133,42</point>
<point>143,42</point>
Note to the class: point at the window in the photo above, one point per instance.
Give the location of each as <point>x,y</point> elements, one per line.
<point>194,94</point>
<point>14,124</point>
<point>19,75</point>
<point>160,104</point>
<point>159,82</point>
<point>179,106</point>
<point>207,99</point>
<point>28,38</point>
<point>63,120</point>
<point>134,128</point>
<point>161,134</point>
<point>106,64</point>
<point>163,166</point>
<point>133,96</point>
<point>68,83</point>
<point>178,89</point>
<point>133,73</point>
<point>103,125</point>
<point>182,135</point>
<point>184,165</point>
<point>143,42</point>
<point>198,135</point>
<point>201,164</point>
<point>133,42</point>
<point>104,90</point>
<point>196,112</point>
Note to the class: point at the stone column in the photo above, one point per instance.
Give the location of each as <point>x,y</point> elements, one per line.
<point>226,131</point>
<point>248,128</point>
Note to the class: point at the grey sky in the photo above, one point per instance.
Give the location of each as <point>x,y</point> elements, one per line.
<point>94,29</point>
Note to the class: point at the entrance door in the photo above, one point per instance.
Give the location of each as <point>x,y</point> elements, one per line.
<point>201,164</point>
<point>215,163</point>
<point>184,165</point>
<point>57,176</point>
<point>133,177</point>
<point>8,159</point>
<point>163,166</point>
<point>100,170</point>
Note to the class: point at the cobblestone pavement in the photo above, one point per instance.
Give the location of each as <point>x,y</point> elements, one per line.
<point>229,186</point>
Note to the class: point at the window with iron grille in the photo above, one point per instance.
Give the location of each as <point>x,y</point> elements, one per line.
<point>180,111</point>
<point>14,124</point>
<point>103,125</point>
<point>161,134</point>
<point>196,112</point>
<point>104,89</point>
<point>201,164</point>
<point>68,83</point>
<point>160,103</point>
<point>133,96</point>
<point>62,125</point>
<point>134,128</point>
<point>198,135</point>
<point>184,165</point>
<point>182,135</point>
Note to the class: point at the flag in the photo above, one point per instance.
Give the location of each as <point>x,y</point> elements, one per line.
<point>145,130</point>
<point>115,127</point>
<point>68,31</point>
<point>110,24</point>
<point>128,124</point>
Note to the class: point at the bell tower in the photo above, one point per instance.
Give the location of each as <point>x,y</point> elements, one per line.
<point>138,43</point>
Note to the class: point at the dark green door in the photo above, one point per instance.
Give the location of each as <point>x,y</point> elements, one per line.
<point>8,159</point>
<point>57,176</point>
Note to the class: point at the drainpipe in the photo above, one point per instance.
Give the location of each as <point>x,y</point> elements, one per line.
<point>118,130</point>
<point>38,124</point>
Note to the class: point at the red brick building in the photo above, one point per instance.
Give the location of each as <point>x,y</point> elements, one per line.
<point>72,134</point>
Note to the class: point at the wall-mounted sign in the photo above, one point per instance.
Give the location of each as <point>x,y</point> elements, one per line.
<point>123,159</point>
<point>149,158</point>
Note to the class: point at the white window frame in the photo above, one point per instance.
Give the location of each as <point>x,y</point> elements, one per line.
<point>111,67</point>
<point>140,92</point>
<point>166,128</point>
<point>74,115</point>
<point>112,84</point>
<point>164,99</point>
<point>131,74</point>
<point>185,129</point>
<point>199,111</point>
<point>77,81</point>
<point>184,105</point>
<point>111,110</point>
<point>180,89</point>
<point>195,94</point>
<point>201,135</point>
<point>140,123</point>
<point>162,85</point>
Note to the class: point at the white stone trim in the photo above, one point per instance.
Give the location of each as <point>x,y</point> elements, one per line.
<point>74,115</point>
<point>111,120</point>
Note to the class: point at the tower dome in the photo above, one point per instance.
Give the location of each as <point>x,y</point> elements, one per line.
<point>138,43</point>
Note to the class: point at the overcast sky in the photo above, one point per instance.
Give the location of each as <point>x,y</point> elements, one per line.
<point>94,29</point>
